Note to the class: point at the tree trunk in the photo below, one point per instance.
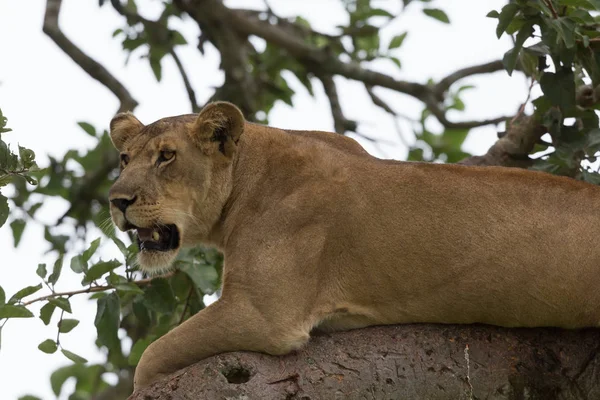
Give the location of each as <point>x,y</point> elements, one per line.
<point>403,362</point>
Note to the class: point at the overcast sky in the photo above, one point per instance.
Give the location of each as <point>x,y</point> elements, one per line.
<point>43,94</point>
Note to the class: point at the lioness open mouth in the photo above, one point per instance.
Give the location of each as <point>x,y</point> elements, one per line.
<point>159,238</point>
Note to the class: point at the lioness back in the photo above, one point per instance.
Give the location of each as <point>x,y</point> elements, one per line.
<point>440,243</point>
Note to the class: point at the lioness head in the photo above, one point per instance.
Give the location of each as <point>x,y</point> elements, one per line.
<point>175,178</point>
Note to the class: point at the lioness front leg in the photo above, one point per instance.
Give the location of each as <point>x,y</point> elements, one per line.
<point>227,325</point>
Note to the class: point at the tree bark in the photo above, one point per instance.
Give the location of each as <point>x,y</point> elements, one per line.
<point>403,362</point>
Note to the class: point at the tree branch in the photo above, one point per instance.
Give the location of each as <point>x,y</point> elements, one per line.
<point>414,361</point>
<point>512,149</point>
<point>159,33</point>
<point>89,65</point>
<point>188,85</point>
<point>341,123</point>
<point>442,86</point>
<point>322,61</point>
<point>439,113</point>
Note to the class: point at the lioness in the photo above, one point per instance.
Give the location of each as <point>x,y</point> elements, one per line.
<point>317,233</point>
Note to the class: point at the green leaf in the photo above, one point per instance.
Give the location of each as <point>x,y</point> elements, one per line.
<point>29,397</point>
<point>91,250</point>
<point>10,311</point>
<point>437,14</point>
<point>177,38</point>
<point>591,177</point>
<point>58,242</point>
<point>204,276</point>
<point>559,88</point>
<point>78,264</point>
<point>114,279</point>
<point>88,128</point>
<point>3,209</point>
<point>66,325</point>
<point>565,29</point>
<point>62,303</point>
<point>33,209</point>
<point>142,313</point>
<point>97,270</point>
<point>156,68</point>
<point>46,312</point>
<point>506,16</point>
<point>27,157</point>
<point>129,288</point>
<point>48,346</point>
<point>41,271</point>
<point>60,376</point>
<point>2,296</point>
<point>56,270</point>
<point>510,57</point>
<point>136,351</point>
<point>73,357</point>
<point>17,226</point>
<point>397,41</point>
<point>120,245</point>
<point>396,61</point>
<point>159,296</point>
<point>377,12</point>
<point>107,321</point>
<point>455,137</point>
<point>29,290</point>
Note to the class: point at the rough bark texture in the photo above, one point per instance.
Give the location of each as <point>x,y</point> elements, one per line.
<point>403,362</point>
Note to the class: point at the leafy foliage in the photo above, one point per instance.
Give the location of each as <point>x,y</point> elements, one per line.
<point>13,166</point>
<point>564,58</point>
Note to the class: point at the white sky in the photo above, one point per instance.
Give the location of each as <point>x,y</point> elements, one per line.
<point>43,94</point>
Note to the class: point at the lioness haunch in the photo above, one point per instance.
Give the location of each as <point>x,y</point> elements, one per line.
<point>318,233</point>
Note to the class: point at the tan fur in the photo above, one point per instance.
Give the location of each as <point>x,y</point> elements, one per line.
<point>317,233</point>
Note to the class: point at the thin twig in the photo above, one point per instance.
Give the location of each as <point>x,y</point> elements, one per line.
<point>551,7</point>
<point>93,289</point>
<point>487,68</point>
<point>187,304</point>
<point>522,108</point>
<point>188,85</point>
<point>62,313</point>
<point>341,123</point>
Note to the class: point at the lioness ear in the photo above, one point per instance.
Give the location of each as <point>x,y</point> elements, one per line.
<point>218,128</point>
<point>123,127</point>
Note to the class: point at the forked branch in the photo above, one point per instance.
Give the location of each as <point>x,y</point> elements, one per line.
<point>88,64</point>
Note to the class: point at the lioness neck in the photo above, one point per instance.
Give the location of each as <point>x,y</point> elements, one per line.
<point>270,164</point>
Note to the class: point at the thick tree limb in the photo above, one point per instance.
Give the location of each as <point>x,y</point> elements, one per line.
<point>403,362</point>
<point>88,64</point>
<point>322,61</point>
<point>240,87</point>
<point>512,149</point>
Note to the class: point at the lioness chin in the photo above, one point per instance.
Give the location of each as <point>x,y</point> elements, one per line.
<point>317,233</point>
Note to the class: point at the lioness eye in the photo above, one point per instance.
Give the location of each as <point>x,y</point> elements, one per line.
<point>165,155</point>
<point>124,159</point>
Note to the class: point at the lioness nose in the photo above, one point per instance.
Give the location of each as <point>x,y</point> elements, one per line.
<point>122,203</point>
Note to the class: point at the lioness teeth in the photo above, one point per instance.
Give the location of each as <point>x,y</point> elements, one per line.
<point>155,236</point>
